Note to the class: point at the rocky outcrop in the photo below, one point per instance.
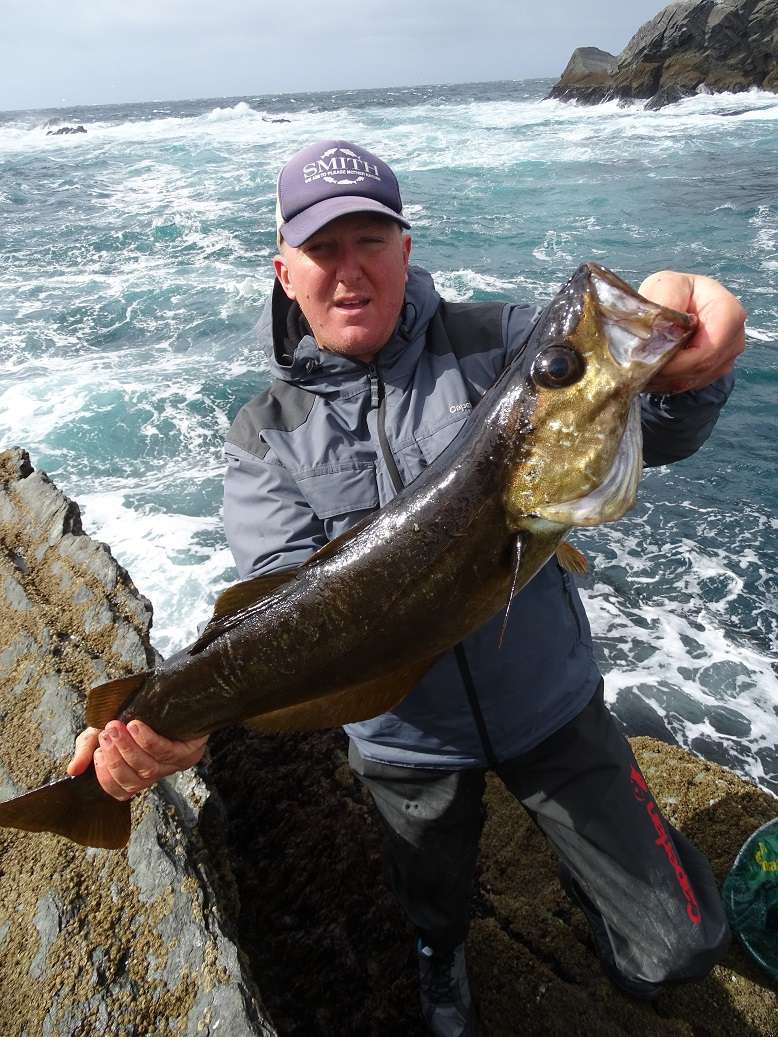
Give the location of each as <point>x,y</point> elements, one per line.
<point>65,130</point>
<point>586,76</point>
<point>131,942</point>
<point>276,849</point>
<point>690,46</point>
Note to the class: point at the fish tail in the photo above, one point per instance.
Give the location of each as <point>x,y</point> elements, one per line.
<point>77,808</point>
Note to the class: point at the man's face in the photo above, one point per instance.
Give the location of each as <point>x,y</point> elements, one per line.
<point>349,280</point>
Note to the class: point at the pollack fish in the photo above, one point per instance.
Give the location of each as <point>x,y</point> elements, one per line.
<point>554,443</point>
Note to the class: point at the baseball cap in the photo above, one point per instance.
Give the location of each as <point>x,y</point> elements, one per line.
<point>332,178</point>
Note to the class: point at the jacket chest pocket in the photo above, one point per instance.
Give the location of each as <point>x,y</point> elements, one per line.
<point>433,443</point>
<point>340,494</point>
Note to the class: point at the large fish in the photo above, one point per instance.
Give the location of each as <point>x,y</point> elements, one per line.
<point>554,443</point>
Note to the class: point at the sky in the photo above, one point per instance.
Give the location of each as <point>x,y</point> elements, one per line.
<point>55,53</point>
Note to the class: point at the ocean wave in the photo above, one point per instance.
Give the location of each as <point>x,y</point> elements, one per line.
<point>688,629</point>
<point>136,259</point>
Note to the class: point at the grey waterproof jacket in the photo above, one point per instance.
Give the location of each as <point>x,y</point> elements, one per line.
<point>333,438</point>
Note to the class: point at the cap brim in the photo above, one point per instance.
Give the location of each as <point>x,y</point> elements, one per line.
<point>300,228</point>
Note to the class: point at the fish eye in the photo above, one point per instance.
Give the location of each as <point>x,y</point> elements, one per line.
<point>557,367</point>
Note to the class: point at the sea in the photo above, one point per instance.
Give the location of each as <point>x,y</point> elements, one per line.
<point>135,259</point>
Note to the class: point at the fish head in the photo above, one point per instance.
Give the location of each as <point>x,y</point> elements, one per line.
<point>595,349</point>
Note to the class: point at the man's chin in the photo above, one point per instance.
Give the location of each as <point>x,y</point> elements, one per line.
<point>352,344</point>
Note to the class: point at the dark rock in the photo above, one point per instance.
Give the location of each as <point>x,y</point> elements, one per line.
<point>690,46</point>
<point>336,955</point>
<point>267,118</point>
<point>65,129</point>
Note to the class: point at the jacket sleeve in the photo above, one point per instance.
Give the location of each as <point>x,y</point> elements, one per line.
<point>674,427</point>
<point>268,523</point>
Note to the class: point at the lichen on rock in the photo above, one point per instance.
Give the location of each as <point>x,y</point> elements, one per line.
<point>131,942</point>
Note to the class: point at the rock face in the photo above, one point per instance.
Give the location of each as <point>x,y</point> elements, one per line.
<point>690,46</point>
<point>276,849</point>
<point>95,941</point>
<point>586,75</point>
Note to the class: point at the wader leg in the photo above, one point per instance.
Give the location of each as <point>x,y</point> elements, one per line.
<point>656,893</point>
<point>432,825</point>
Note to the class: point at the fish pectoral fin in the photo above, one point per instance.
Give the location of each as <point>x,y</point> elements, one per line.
<point>105,702</point>
<point>349,706</point>
<point>571,559</point>
<point>74,807</point>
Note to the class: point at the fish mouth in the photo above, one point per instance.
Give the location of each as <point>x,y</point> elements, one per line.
<point>617,493</point>
<point>638,331</point>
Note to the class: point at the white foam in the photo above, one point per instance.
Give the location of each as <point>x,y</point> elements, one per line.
<point>461,285</point>
<point>662,612</point>
<point>166,558</point>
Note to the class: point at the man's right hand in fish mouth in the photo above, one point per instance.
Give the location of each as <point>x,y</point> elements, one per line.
<point>130,758</point>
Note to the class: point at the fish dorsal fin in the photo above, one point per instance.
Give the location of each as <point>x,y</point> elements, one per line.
<point>232,602</point>
<point>105,702</point>
<point>330,548</point>
<point>571,559</point>
<point>347,706</point>
<point>249,592</point>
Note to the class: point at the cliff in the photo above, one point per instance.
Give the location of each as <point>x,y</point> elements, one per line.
<point>262,871</point>
<point>690,46</point>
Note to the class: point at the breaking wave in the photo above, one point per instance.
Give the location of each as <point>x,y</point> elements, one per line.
<point>136,258</point>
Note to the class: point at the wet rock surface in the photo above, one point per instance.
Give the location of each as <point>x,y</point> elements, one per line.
<point>263,870</point>
<point>94,941</point>
<point>692,45</point>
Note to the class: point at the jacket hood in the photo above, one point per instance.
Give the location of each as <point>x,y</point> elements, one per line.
<point>293,355</point>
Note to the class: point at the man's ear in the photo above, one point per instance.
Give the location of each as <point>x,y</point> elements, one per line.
<point>406,252</point>
<point>282,273</point>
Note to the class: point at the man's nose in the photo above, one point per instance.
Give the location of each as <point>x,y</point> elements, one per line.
<point>349,267</point>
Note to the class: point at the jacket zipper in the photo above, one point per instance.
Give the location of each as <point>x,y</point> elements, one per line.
<point>378,399</point>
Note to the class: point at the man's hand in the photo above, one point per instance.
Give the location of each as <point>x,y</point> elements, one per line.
<point>130,758</point>
<point>720,336</point>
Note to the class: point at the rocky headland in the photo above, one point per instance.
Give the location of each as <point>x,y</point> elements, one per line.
<point>691,46</point>
<point>63,130</point>
<point>250,898</point>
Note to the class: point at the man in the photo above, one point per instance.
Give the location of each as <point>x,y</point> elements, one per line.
<point>375,375</point>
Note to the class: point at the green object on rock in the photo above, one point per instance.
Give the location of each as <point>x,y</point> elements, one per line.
<point>751,896</point>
